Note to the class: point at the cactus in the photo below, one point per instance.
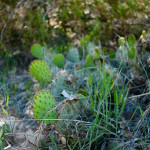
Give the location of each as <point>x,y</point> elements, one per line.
<point>84,41</point>
<point>131,40</point>
<point>121,41</point>
<point>96,54</point>
<point>90,47</point>
<point>59,84</point>
<point>40,71</point>
<point>122,55</point>
<point>44,107</point>
<point>59,60</point>
<point>131,53</point>
<point>37,51</point>
<point>131,44</point>
<point>89,62</point>
<point>73,55</point>
<point>68,110</point>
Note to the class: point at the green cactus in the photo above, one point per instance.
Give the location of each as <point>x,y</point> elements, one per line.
<point>90,47</point>
<point>121,41</point>
<point>73,55</point>
<point>96,54</point>
<point>59,84</point>
<point>131,53</point>
<point>84,41</point>
<point>59,60</point>
<point>89,62</point>
<point>131,40</point>
<point>44,107</point>
<point>40,71</point>
<point>37,51</point>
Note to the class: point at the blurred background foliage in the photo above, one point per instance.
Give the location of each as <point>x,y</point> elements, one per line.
<point>60,23</point>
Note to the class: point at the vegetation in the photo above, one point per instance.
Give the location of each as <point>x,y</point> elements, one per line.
<point>85,84</point>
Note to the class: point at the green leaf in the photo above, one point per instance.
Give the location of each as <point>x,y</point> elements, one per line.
<point>2,132</point>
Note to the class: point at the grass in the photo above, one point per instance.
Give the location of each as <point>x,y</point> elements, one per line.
<point>103,105</point>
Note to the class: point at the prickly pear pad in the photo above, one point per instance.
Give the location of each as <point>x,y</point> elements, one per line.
<point>89,62</point>
<point>37,51</point>
<point>44,107</point>
<point>59,60</point>
<point>40,71</point>
<point>73,55</point>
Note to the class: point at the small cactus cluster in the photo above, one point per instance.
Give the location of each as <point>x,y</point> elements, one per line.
<point>128,44</point>
<point>38,52</point>
<point>44,107</point>
<point>126,51</point>
<point>92,53</point>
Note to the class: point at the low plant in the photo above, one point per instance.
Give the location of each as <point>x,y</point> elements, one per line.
<point>73,55</point>
<point>37,51</point>
<point>44,107</point>
<point>40,71</point>
<point>101,92</point>
<point>89,62</point>
<point>97,101</point>
<point>59,60</point>
<point>127,52</point>
<point>2,134</point>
